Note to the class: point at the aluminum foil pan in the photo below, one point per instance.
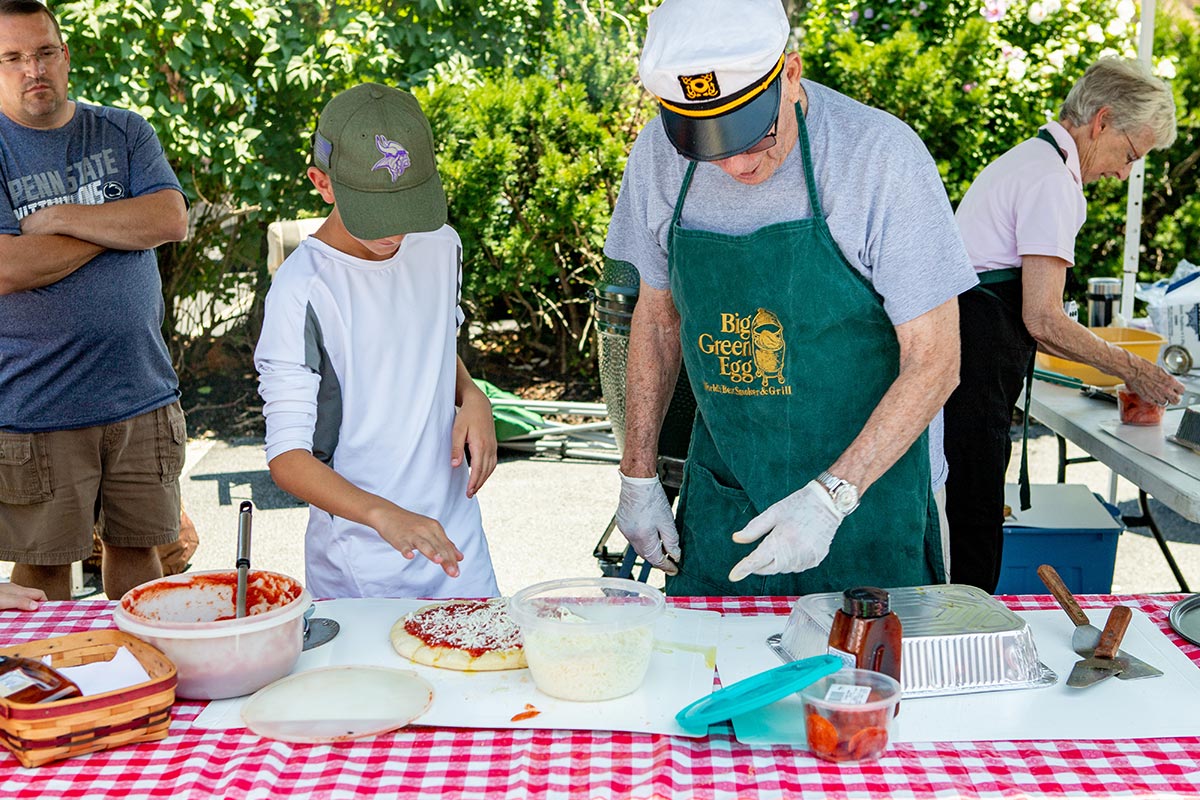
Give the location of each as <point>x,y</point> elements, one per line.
<point>957,640</point>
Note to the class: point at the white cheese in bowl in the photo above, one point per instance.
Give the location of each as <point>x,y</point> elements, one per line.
<point>588,638</point>
<point>585,665</point>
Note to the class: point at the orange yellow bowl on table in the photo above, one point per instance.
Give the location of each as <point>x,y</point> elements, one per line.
<point>1144,344</point>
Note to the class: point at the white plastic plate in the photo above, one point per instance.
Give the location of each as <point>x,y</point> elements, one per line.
<point>334,704</point>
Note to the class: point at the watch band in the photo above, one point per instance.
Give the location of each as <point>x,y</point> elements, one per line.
<point>843,492</point>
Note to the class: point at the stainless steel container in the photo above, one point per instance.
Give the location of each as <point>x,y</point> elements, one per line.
<point>1103,295</point>
<point>957,640</point>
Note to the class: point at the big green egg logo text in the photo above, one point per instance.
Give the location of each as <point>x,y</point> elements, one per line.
<point>745,355</point>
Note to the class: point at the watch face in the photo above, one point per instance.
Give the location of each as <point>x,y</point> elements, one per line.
<point>845,498</point>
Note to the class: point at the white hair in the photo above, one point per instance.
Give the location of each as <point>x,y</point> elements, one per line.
<point>1136,99</point>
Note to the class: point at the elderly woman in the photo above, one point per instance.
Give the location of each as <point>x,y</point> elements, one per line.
<point>1019,220</point>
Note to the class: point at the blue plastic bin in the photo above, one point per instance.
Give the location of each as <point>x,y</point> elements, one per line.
<point>1084,552</point>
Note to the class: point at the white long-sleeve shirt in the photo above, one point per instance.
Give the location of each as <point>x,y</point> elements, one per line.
<point>357,364</point>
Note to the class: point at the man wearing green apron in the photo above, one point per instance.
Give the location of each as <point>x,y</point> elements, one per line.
<point>1019,220</point>
<point>797,251</point>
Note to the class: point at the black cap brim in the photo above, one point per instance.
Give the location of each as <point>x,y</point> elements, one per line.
<point>714,138</point>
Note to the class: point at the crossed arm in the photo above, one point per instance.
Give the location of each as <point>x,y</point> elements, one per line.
<point>57,240</point>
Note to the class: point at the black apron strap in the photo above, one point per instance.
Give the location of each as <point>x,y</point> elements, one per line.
<point>1046,136</point>
<point>1023,475</point>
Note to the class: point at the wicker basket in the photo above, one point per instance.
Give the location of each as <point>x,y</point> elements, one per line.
<point>38,733</point>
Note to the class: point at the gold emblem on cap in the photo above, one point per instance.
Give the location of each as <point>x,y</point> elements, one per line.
<point>700,87</point>
<point>739,98</point>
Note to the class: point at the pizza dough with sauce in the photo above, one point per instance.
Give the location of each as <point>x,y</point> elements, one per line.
<point>467,635</point>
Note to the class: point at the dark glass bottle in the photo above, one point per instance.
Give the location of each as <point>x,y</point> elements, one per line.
<point>866,633</point>
<point>24,680</point>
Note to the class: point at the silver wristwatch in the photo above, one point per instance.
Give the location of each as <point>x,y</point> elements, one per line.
<point>844,493</point>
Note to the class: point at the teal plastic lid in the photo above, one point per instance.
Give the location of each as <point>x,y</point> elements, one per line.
<point>757,691</point>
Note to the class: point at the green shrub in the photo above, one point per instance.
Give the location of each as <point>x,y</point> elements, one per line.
<point>532,166</point>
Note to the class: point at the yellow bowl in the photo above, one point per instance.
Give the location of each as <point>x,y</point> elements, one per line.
<point>1144,344</point>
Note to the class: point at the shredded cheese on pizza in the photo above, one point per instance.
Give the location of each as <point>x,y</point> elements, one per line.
<point>476,626</point>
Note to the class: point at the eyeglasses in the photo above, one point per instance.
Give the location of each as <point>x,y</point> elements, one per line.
<point>14,62</point>
<point>766,143</point>
<point>1132,149</point>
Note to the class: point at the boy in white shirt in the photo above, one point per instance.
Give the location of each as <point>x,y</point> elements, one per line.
<point>359,373</point>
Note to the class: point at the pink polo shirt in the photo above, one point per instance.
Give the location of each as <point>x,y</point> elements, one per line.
<point>1027,202</point>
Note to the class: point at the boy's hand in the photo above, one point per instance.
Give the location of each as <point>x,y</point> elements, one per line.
<point>475,428</point>
<point>15,596</point>
<point>407,531</point>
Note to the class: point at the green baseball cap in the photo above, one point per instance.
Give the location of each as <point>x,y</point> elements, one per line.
<point>376,145</point>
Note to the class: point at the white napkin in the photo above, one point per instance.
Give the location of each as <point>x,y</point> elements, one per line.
<point>120,672</point>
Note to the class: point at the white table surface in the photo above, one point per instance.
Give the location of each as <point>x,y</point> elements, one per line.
<point>1079,419</point>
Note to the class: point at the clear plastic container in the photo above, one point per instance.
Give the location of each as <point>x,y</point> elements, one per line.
<point>848,715</point>
<point>190,618</point>
<point>1135,410</point>
<point>588,639</point>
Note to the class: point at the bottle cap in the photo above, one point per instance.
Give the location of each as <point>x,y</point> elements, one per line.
<point>866,601</point>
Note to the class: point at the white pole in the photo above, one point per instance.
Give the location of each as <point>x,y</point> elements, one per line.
<point>1137,180</point>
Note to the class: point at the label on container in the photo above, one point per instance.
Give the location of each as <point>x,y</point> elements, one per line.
<point>847,694</point>
<point>14,681</point>
<point>848,659</point>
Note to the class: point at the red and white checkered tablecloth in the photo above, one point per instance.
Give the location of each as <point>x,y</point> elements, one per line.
<point>525,764</point>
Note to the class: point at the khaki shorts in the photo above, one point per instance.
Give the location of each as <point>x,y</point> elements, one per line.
<point>54,486</point>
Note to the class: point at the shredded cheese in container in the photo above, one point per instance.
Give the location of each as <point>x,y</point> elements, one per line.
<point>587,665</point>
<point>588,639</point>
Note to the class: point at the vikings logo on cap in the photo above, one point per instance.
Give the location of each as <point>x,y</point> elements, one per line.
<point>395,158</point>
<point>700,87</point>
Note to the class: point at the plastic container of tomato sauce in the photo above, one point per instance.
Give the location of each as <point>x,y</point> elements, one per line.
<point>1137,410</point>
<point>848,715</point>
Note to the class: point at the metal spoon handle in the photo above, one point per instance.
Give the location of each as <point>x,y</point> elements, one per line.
<point>243,556</point>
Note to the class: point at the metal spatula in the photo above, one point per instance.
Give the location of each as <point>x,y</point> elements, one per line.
<point>1104,663</point>
<point>1087,636</point>
<point>318,630</point>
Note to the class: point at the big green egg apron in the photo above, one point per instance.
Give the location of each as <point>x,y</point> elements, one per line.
<point>788,351</point>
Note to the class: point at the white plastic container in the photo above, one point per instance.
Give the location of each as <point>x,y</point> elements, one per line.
<point>190,618</point>
<point>588,639</point>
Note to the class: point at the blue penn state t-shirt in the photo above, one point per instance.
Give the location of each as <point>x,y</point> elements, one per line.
<point>87,350</point>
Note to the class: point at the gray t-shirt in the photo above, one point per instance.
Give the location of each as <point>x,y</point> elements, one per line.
<point>88,349</point>
<point>880,190</point>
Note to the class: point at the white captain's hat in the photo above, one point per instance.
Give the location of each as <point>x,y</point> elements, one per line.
<point>715,67</point>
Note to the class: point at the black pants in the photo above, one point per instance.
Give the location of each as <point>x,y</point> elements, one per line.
<point>996,351</point>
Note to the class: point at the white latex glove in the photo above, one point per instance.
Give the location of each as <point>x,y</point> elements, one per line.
<point>645,519</point>
<point>799,530</point>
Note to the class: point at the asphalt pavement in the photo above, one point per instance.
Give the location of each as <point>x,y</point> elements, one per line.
<point>544,515</point>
